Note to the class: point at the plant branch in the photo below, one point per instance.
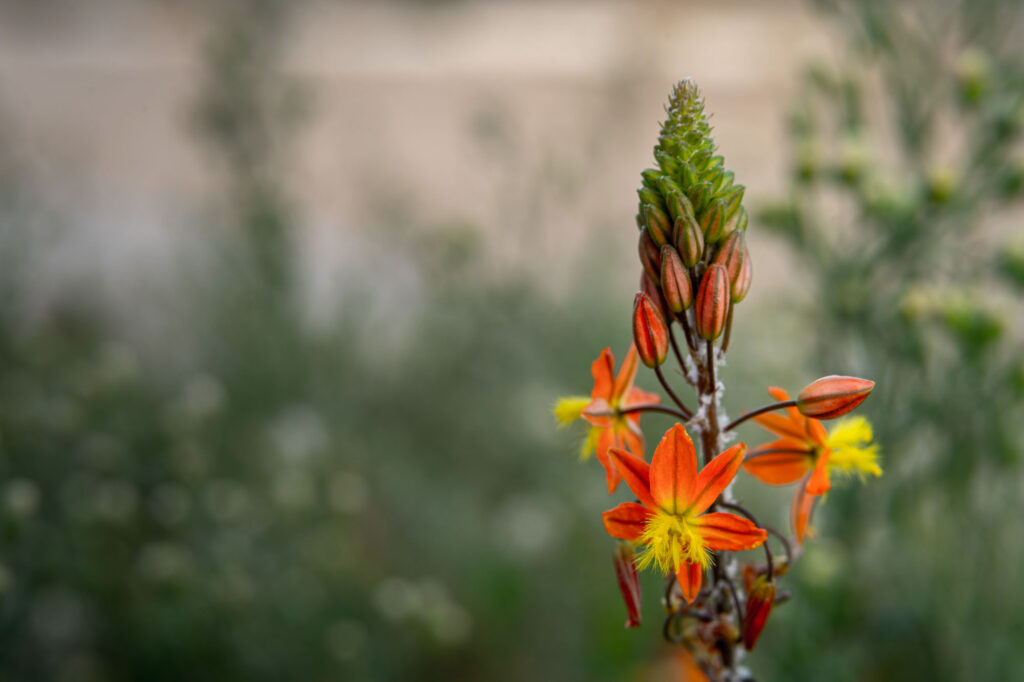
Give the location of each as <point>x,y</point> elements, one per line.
<point>761,410</point>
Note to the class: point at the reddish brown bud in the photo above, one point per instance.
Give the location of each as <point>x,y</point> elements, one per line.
<point>653,292</point>
<point>759,607</point>
<point>734,256</point>
<point>649,256</point>
<point>658,225</point>
<point>650,333</point>
<point>629,583</point>
<point>713,302</point>
<point>689,240</point>
<point>832,396</point>
<point>675,281</point>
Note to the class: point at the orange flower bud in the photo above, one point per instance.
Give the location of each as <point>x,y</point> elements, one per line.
<point>675,281</point>
<point>689,240</point>
<point>653,292</point>
<point>658,225</point>
<point>759,607</point>
<point>649,256</point>
<point>650,333</point>
<point>741,285</point>
<point>629,583</point>
<point>713,302</point>
<point>832,396</point>
<point>734,256</point>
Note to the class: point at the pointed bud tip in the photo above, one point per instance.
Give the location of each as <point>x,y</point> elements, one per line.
<point>650,333</point>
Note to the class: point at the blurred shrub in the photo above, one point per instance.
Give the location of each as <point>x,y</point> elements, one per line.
<point>904,192</point>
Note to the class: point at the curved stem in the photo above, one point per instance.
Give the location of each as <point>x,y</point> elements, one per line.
<point>774,451</point>
<point>671,393</point>
<point>679,356</point>
<point>767,550</point>
<point>761,410</point>
<point>650,408</point>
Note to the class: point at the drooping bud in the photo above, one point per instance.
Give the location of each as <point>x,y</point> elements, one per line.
<point>650,333</point>
<point>759,607</point>
<point>832,396</point>
<point>713,302</point>
<point>734,256</point>
<point>675,281</point>
<point>649,256</point>
<point>658,225</point>
<point>689,240</point>
<point>712,222</point>
<point>629,583</point>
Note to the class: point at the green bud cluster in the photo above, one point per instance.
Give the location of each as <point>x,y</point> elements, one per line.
<point>690,201</point>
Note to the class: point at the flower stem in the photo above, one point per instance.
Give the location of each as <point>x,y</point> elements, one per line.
<point>761,410</point>
<point>671,393</point>
<point>653,408</point>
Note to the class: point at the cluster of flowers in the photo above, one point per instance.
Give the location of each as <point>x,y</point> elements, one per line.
<point>684,520</point>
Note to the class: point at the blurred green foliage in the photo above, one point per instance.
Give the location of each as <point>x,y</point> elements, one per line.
<point>906,174</point>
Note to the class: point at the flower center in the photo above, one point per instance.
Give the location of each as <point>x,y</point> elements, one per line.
<point>669,539</point>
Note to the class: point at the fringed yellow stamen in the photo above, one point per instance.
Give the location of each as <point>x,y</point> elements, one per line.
<point>570,408</point>
<point>589,444</point>
<point>852,449</point>
<point>670,538</point>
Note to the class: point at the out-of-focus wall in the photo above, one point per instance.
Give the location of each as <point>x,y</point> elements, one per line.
<point>526,121</point>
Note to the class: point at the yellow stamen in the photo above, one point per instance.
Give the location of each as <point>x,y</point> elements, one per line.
<point>570,408</point>
<point>589,443</point>
<point>670,538</point>
<point>852,449</point>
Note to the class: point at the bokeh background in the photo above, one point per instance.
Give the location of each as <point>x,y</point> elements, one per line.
<point>288,289</point>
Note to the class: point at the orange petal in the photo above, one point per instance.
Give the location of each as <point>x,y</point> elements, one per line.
<point>800,512</point>
<point>629,582</point>
<point>626,521</point>
<point>779,468</point>
<point>636,473</point>
<point>782,396</point>
<point>598,413</point>
<point>690,576</point>
<point>819,483</point>
<point>816,431</point>
<point>630,438</point>
<point>721,530</point>
<point>787,427</point>
<point>624,380</point>
<point>602,369</point>
<point>605,442</point>
<point>714,477</point>
<point>673,470</point>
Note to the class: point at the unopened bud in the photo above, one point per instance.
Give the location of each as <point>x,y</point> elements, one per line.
<point>675,281</point>
<point>679,206</point>
<point>689,240</point>
<point>733,255</point>
<point>658,225</point>
<point>649,256</point>
<point>713,302</point>
<point>759,607</point>
<point>629,583</point>
<point>650,333</point>
<point>712,222</point>
<point>832,396</point>
<point>700,195</point>
<point>733,198</point>
<point>653,291</point>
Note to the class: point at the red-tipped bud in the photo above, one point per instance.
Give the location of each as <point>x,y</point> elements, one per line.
<point>629,583</point>
<point>658,225</point>
<point>649,256</point>
<point>675,281</point>
<point>759,607</point>
<point>650,333</point>
<point>734,256</point>
<point>713,302</point>
<point>689,240</point>
<point>712,222</point>
<point>832,396</point>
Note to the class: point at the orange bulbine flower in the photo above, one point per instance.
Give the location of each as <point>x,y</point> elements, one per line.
<point>611,394</point>
<point>806,452</point>
<point>670,520</point>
